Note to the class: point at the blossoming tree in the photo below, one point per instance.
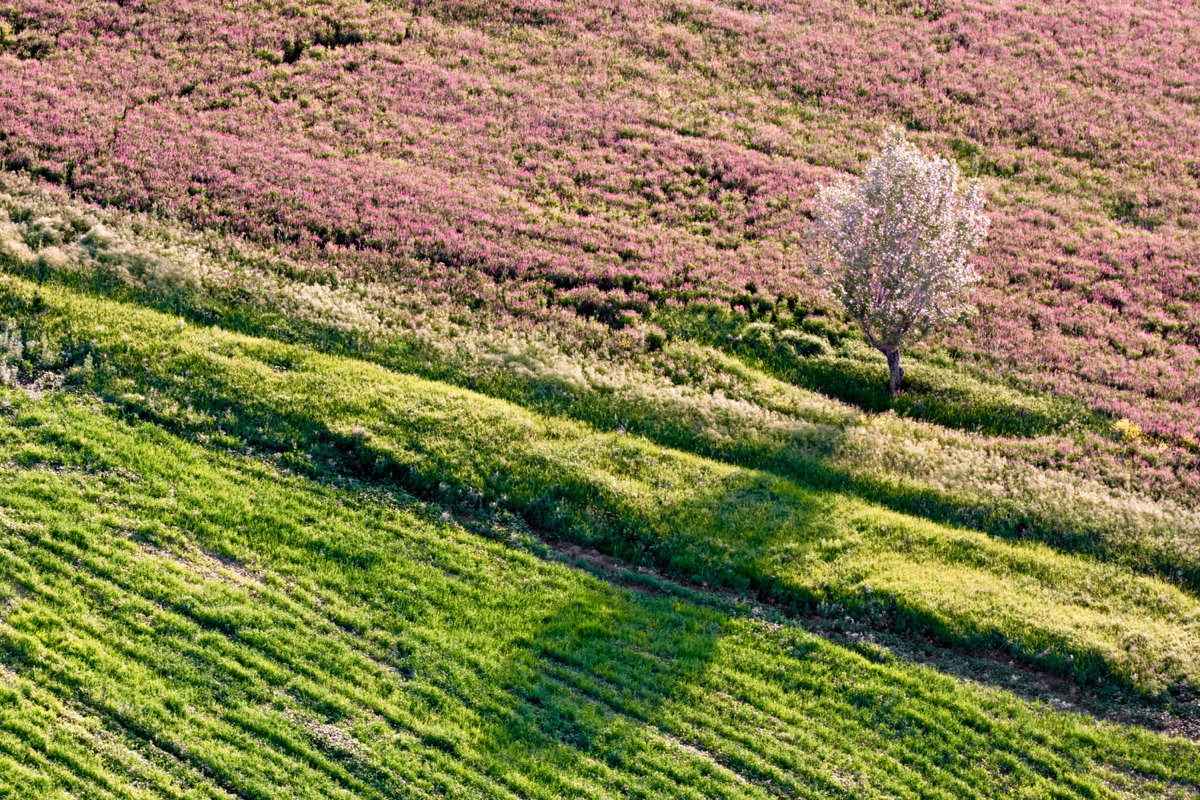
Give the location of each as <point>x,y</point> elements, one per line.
<point>892,246</point>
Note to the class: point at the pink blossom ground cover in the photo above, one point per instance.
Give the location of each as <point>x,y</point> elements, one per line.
<point>555,160</point>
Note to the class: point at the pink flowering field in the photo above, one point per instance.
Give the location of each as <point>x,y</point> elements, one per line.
<point>607,159</point>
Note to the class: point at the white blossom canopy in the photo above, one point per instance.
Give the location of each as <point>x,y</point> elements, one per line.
<point>892,246</point>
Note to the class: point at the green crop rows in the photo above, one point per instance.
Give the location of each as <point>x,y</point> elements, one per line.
<point>180,623</point>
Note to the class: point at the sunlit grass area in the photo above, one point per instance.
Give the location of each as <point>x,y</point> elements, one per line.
<point>184,623</point>
<point>699,519</point>
<point>713,386</point>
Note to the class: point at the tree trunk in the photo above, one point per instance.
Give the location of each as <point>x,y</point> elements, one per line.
<point>895,371</point>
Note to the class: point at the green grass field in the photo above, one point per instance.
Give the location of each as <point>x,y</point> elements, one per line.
<point>252,550</point>
<point>698,519</point>
<point>184,623</point>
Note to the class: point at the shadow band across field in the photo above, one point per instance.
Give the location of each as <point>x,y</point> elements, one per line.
<point>933,394</point>
<point>696,519</point>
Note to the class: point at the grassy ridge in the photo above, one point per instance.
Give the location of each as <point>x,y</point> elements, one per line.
<point>186,624</point>
<point>700,519</point>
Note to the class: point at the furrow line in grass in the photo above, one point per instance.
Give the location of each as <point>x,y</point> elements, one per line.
<point>814,759</point>
<point>291,750</point>
<point>754,716</point>
<point>946,731</point>
<point>751,716</point>
<point>143,762</point>
<point>96,584</point>
<point>650,767</point>
<point>689,713</point>
<point>466,658</point>
<point>1051,764</point>
<point>52,677</point>
<point>463,658</point>
<point>448,764</point>
<point>608,688</point>
<point>695,776</point>
<point>483,703</point>
<point>56,759</point>
<point>488,709</point>
<point>240,784</point>
<point>741,755</point>
<point>147,656</point>
<point>17,743</point>
<point>618,687</point>
<point>116,575</point>
<point>939,694</point>
<point>317,679</point>
<point>261,592</point>
<point>315,682</point>
<point>41,776</point>
<point>225,765</point>
<point>139,776</point>
<point>18,779</point>
<point>92,777</point>
<point>286,604</point>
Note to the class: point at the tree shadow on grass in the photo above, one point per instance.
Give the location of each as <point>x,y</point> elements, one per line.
<point>584,691</point>
<point>849,370</point>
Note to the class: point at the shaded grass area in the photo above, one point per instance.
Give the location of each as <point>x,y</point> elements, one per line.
<point>182,623</point>
<point>699,519</point>
<point>818,353</point>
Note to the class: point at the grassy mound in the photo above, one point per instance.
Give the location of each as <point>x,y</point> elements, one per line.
<point>699,519</point>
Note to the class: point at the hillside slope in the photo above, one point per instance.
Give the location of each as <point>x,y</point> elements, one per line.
<point>702,520</point>
<point>759,516</point>
<point>427,400</point>
<point>551,161</point>
<point>180,623</point>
